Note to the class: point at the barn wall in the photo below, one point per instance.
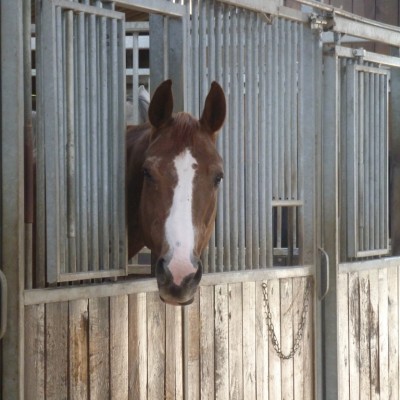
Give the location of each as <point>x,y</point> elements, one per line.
<point>130,346</point>
<point>368,333</point>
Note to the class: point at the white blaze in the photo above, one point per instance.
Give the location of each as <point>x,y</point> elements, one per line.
<point>179,229</point>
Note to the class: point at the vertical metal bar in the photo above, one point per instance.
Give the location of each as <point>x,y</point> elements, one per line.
<point>135,76</point>
<point>294,117</point>
<point>367,161</point>
<point>114,146</point>
<point>248,140</point>
<point>28,144</point>
<point>287,94</point>
<point>382,166</point>
<point>227,139</point>
<point>71,186</point>
<point>166,47</point>
<point>281,110</point>
<point>40,274</point>
<point>361,162</point>
<point>262,148</point>
<point>385,152</point>
<point>255,142</point>
<point>120,138</point>
<point>371,165</point>
<point>93,137</point>
<point>220,214</point>
<point>267,148</point>
<point>275,113</point>
<point>376,163</point>
<point>82,160</point>
<point>195,66</point>
<point>241,144</point>
<point>234,140</point>
<point>60,59</point>
<point>104,151</point>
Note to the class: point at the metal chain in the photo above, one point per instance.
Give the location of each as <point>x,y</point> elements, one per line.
<point>300,331</point>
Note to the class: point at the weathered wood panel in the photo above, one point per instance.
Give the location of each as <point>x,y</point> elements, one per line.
<point>132,346</point>
<point>368,332</point>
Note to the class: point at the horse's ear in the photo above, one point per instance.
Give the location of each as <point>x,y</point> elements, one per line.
<point>161,105</point>
<point>214,111</point>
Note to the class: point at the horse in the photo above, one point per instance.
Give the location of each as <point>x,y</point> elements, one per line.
<point>173,171</point>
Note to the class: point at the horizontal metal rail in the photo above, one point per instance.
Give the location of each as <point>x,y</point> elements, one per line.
<point>154,6</point>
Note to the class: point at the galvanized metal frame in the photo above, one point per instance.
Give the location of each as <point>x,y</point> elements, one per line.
<point>366,139</point>
<point>84,180</point>
<point>12,194</point>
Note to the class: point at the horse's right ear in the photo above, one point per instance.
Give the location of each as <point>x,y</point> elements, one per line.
<point>161,105</point>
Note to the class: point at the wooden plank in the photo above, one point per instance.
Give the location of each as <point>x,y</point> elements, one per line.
<point>374,333</point>
<point>137,358</point>
<point>309,345</point>
<point>343,337</point>
<point>179,372</point>
<point>193,367</point>
<point>286,339</point>
<point>298,361</point>
<point>78,349</point>
<point>354,334</point>
<point>274,362</point>
<point>364,337</point>
<point>236,331</point>
<point>57,351</point>
<point>34,352</point>
<point>119,347</point>
<point>207,342</point>
<point>262,341</point>
<point>383,335</point>
<point>171,353</point>
<point>221,343</point>
<point>249,341</point>
<point>393,333</point>
<point>156,346</point>
<point>99,348</point>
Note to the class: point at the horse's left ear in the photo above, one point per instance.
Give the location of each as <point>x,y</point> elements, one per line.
<point>161,105</point>
<point>214,111</point>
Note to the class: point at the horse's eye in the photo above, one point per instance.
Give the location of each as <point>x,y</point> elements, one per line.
<point>218,178</point>
<point>147,174</point>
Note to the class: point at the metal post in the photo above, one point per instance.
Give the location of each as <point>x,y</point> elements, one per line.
<point>12,200</point>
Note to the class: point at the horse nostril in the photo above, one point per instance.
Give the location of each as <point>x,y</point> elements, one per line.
<point>160,271</point>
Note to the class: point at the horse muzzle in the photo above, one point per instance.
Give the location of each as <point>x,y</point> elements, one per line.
<point>178,291</point>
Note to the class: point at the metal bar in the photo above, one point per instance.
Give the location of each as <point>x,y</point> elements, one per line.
<point>12,196</point>
<point>28,144</point>
<point>367,159</point>
<point>234,141</point>
<point>262,147</point>
<point>249,139</point>
<point>266,93</point>
<point>60,57</point>
<point>296,173</point>
<point>220,214</point>
<point>120,137</point>
<point>369,57</point>
<point>135,77</point>
<point>84,8</point>
<point>281,110</point>
<point>287,95</point>
<point>154,6</point>
<point>376,168</point>
<point>82,144</point>
<point>382,166</point>
<point>114,148</point>
<point>255,142</point>
<point>137,27</point>
<point>70,148</point>
<point>275,114</point>
<point>40,275</point>
<point>361,163</point>
<point>371,143</point>
<point>227,139</point>
<point>93,146</point>
<point>241,145</point>
<point>104,148</point>
<point>195,66</point>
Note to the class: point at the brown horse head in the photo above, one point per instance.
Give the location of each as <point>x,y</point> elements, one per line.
<point>181,174</point>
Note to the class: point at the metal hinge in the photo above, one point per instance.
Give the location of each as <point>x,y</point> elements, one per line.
<point>318,22</point>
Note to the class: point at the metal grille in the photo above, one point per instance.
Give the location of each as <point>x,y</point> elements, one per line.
<point>81,133</point>
<point>260,66</point>
<point>365,144</point>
